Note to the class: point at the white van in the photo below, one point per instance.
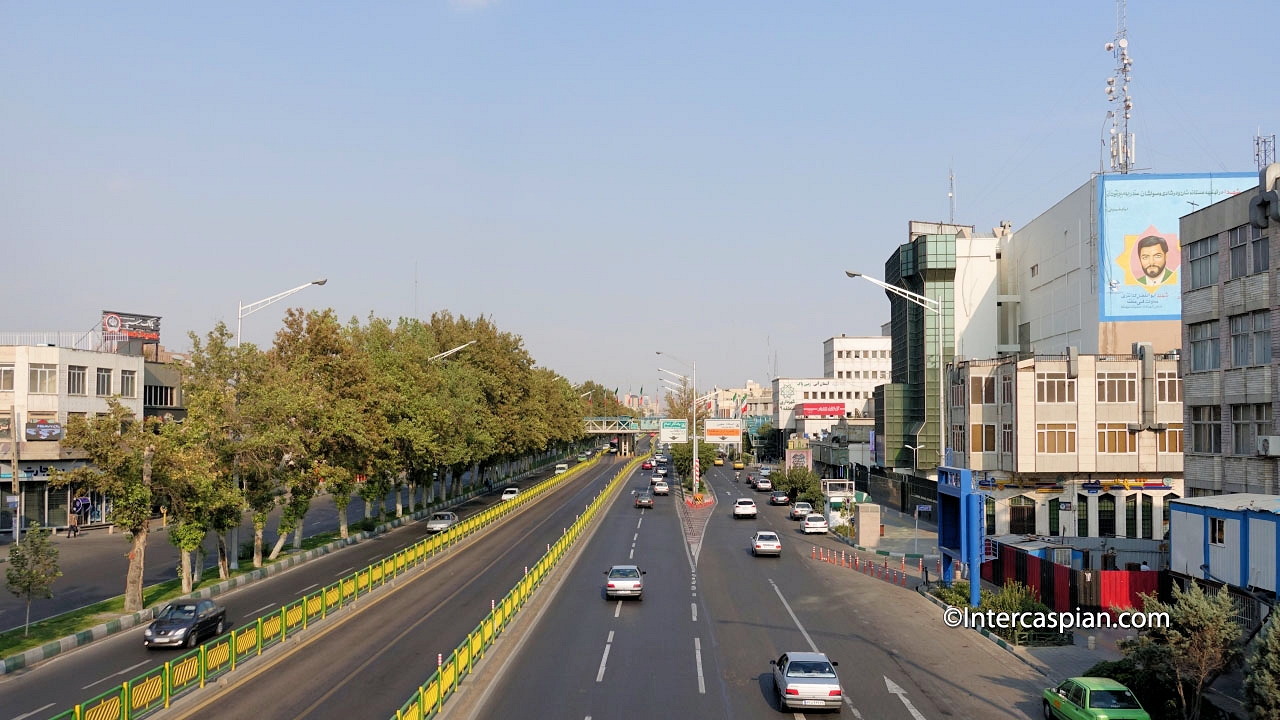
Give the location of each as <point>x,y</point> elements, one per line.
<point>562,467</point>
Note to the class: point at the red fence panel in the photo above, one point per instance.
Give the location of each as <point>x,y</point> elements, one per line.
<point>1120,588</point>
<point>1032,579</point>
<point>1061,600</point>
<point>987,572</point>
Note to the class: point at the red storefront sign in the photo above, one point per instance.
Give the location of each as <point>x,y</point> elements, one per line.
<point>820,409</point>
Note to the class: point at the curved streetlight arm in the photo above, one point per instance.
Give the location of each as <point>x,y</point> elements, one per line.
<point>673,374</point>
<point>447,353</point>
<point>924,302</point>
<point>253,307</point>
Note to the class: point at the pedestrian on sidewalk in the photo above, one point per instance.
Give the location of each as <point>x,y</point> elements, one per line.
<point>73,525</point>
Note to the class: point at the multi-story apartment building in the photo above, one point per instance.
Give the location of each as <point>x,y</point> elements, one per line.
<point>1229,300</point>
<point>1072,445</point>
<point>41,389</point>
<point>866,360</point>
<point>947,264</point>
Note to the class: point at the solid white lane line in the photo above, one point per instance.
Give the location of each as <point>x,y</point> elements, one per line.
<point>794,619</point>
<point>697,655</point>
<point>618,610</point>
<point>694,607</point>
<point>604,660</point>
<point>33,712</point>
<point>252,613</point>
<point>303,590</point>
<point>122,672</point>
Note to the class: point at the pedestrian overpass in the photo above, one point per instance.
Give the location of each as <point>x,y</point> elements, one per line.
<point>628,429</point>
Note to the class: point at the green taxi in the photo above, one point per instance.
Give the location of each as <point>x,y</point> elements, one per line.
<point>1092,698</point>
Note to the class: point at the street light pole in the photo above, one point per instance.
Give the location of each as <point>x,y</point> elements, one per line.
<point>935,307</point>
<point>247,310</point>
<point>693,421</point>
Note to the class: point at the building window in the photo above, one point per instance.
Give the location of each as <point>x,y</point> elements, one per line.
<point>984,438</point>
<point>1055,438</point>
<point>42,379</point>
<point>1202,261</point>
<point>1107,515</point>
<point>76,380</point>
<point>1131,516</point>
<point>6,378</point>
<point>991,515</point>
<point>1055,388</point>
<point>1262,337</point>
<point>1242,340</point>
<point>1006,438</point>
<point>129,383</point>
<point>1261,250</point>
<point>1082,515</point>
<point>1218,531</point>
<point>1168,387</point>
<point>1148,505</point>
<point>1204,345</point>
<point>1055,507</point>
<point>1170,441</point>
<point>1168,508</point>
<point>1206,429</point>
<point>1006,389</point>
<point>957,436</point>
<point>1247,423</point>
<point>1035,270</point>
<point>1117,387</point>
<point>104,382</point>
<point>1116,438</point>
<point>806,395</point>
<point>982,390</point>
<point>1238,239</point>
<point>1022,515</point>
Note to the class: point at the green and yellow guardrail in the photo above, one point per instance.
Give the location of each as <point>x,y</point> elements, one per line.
<point>156,688</point>
<point>443,683</point>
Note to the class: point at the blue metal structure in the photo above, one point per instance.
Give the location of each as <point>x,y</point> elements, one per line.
<point>961,507</point>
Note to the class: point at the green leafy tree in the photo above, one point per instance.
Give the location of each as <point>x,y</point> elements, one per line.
<point>1262,681</point>
<point>600,401</point>
<point>1201,642</point>
<point>32,568</point>
<point>128,462</point>
<point>682,458</point>
<point>801,485</point>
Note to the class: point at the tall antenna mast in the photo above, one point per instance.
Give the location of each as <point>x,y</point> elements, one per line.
<point>1264,149</point>
<point>1122,155</point>
<point>951,194</point>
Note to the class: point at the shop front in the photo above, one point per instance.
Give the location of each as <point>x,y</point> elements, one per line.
<point>38,501</point>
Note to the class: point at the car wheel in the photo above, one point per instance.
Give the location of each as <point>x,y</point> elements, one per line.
<point>1048,711</point>
<point>777,690</point>
<point>191,638</point>
<point>222,626</point>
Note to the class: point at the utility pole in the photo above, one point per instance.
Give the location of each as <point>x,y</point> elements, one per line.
<point>17,489</point>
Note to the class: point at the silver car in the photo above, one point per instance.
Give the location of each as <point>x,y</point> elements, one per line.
<point>624,581</point>
<point>806,680</point>
<point>766,542</point>
<point>441,521</point>
<point>800,511</point>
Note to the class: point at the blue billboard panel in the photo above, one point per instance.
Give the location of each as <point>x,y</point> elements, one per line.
<point>1140,253</point>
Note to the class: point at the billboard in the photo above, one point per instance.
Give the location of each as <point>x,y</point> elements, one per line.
<point>673,431</point>
<point>1140,253</point>
<point>131,326</point>
<point>820,409</point>
<point>798,458</point>
<point>723,432</point>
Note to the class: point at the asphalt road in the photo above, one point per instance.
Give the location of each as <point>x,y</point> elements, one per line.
<point>86,672</point>
<point>700,642</point>
<point>370,662</point>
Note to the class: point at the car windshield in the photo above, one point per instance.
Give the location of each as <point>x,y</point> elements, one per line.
<point>625,573</point>
<point>815,519</point>
<point>178,612</point>
<point>440,516</point>
<point>767,537</point>
<point>1113,700</point>
<point>745,502</point>
<point>803,506</point>
<point>817,668</point>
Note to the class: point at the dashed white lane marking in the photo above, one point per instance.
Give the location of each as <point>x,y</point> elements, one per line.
<point>122,672</point>
<point>303,590</point>
<point>697,655</point>
<point>635,537</point>
<point>812,646</point>
<point>631,555</point>
<point>252,613</point>
<point>639,521</point>
<point>605,659</point>
<point>694,607</point>
<point>33,712</point>
<point>618,610</point>
<point>342,573</point>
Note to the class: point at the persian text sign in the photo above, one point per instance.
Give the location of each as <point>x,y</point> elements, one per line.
<point>723,432</point>
<point>144,327</point>
<point>820,409</point>
<point>673,431</point>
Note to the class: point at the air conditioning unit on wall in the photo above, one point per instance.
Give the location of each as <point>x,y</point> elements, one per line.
<point>1269,445</point>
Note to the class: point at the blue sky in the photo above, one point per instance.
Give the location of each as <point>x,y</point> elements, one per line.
<point>605,179</point>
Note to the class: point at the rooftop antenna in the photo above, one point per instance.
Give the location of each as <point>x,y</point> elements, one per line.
<point>1264,149</point>
<point>1122,141</point>
<point>951,195</point>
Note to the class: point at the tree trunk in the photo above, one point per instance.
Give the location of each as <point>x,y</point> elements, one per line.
<point>26,626</point>
<point>297,537</point>
<point>137,555</point>
<point>368,508</point>
<point>224,571</point>
<point>185,557</point>
<point>280,541</point>
<point>342,515</point>
<point>399,499</point>
<point>413,497</point>
<point>259,525</point>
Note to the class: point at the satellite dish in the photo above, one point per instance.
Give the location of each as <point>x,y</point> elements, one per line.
<point>1109,46</point>
<point>1124,42</point>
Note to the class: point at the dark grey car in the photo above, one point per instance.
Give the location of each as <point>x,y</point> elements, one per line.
<point>182,623</point>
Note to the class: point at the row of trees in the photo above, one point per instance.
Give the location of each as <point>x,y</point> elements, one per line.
<point>360,408</point>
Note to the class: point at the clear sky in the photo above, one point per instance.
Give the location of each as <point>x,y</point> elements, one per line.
<point>605,179</point>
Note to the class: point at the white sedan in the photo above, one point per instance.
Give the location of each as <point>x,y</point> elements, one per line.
<point>744,507</point>
<point>766,542</point>
<point>814,523</point>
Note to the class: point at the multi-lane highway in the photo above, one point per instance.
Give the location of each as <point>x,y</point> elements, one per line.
<point>700,642</point>
<point>59,683</point>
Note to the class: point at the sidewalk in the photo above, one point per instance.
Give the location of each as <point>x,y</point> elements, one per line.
<point>901,537</point>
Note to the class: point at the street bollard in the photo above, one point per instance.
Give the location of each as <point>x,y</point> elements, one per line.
<point>904,563</point>
<point>920,569</point>
<point>526,569</point>
<point>813,552</point>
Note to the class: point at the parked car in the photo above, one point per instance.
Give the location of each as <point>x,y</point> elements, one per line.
<point>644,500</point>
<point>1088,698</point>
<point>800,510</point>
<point>744,507</point>
<point>624,581</point>
<point>441,521</point>
<point>183,622</point>
<point>646,465</point>
<point>661,488</point>
<point>805,681</point>
<point>814,523</point>
<point>766,542</point>
<point>778,497</point>
<point>510,493</point>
